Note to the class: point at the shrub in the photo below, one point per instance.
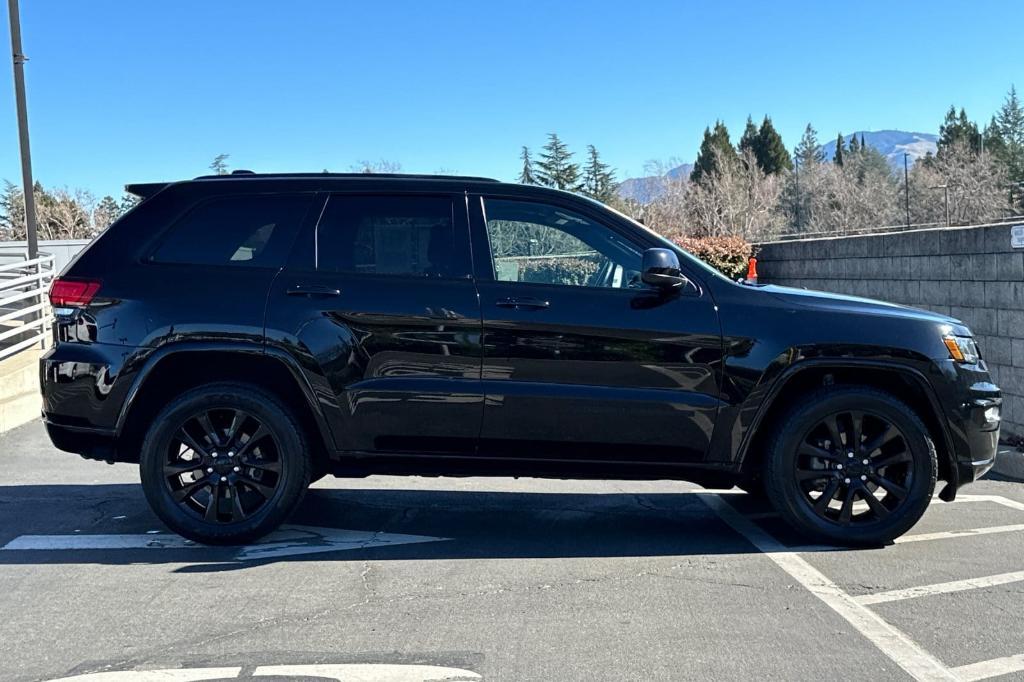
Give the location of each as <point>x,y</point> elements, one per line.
<point>561,270</point>
<point>728,255</point>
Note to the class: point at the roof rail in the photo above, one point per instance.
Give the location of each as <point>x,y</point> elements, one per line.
<point>399,176</point>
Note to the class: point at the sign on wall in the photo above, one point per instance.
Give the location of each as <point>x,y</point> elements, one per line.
<point>1017,237</point>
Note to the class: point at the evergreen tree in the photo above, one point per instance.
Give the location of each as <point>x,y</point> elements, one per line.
<point>219,165</point>
<point>771,153</point>
<point>1010,122</point>
<point>716,147</point>
<point>527,176</point>
<point>854,148</point>
<point>958,129</point>
<point>598,177</point>
<point>556,168</point>
<point>808,151</point>
<point>838,158</point>
<point>749,140</point>
<point>862,144</point>
<point>128,202</point>
<point>106,212</point>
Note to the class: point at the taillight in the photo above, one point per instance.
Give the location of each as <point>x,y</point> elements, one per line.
<point>73,293</point>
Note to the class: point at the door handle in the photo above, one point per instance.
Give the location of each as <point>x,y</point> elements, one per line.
<point>313,290</point>
<point>523,302</point>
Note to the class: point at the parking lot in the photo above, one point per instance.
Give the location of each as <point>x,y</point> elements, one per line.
<point>414,579</point>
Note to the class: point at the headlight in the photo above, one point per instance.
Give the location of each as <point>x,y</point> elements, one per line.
<point>962,348</point>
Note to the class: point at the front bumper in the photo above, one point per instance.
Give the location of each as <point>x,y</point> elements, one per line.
<point>972,406</point>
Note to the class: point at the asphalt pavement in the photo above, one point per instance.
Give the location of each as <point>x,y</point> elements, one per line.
<point>406,578</point>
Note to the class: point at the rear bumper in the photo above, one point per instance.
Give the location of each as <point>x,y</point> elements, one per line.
<point>90,443</point>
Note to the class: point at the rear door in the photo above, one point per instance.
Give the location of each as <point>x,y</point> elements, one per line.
<point>582,361</point>
<point>380,304</point>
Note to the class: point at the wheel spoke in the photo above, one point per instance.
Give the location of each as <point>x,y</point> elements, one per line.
<point>833,429</point>
<point>180,466</point>
<point>261,432</point>
<point>808,450</point>
<point>888,433</point>
<point>812,474</point>
<point>821,504</point>
<point>237,418</point>
<point>213,508</point>
<point>186,491</point>
<point>263,489</point>
<point>191,443</point>
<point>846,511</point>
<point>263,464</point>
<point>237,513</point>
<point>207,426</point>
<point>889,460</point>
<point>881,511</point>
<point>857,422</point>
<point>897,491</point>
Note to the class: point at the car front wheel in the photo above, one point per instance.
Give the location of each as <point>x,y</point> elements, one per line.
<point>851,465</point>
<point>224,464</point>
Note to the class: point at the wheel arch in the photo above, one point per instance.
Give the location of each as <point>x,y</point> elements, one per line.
<point>906,383</point>
<point>177,368</point>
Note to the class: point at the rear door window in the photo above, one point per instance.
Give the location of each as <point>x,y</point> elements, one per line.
<point>389,235</point>
<point>245,231</point>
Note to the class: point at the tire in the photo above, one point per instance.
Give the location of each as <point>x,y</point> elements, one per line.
<point>233,491</point>
<point>804,463</point>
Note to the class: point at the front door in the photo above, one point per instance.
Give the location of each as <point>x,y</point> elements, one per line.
<point>380,303</point>
<point>582,361</point>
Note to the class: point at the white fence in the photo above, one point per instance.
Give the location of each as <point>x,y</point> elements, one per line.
<point>25,314</point>
<point>62,250</point>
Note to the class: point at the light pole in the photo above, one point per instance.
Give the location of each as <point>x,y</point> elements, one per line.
<point>26,157</point>
<point>906,186</point>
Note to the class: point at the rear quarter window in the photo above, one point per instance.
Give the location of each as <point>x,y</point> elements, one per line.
<point>243,231</point>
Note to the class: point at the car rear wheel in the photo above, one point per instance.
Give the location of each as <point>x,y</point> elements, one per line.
<point>851,465</point>
<point>224,464</point>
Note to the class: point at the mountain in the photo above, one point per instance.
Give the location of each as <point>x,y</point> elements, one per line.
<point>647,189</point>
<point>892,144</point>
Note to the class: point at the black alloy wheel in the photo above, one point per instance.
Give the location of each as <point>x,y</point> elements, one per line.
<point>225,463</point>
<point>850,465</point>
<point>222,465</point>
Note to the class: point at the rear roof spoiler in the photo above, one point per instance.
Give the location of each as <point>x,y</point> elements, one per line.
<point>145,190</point>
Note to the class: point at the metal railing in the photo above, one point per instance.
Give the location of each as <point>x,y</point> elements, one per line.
<point>25,313</point>
<point>886,229</point>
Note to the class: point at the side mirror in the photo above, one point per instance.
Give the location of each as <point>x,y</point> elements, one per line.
<point>661,269</point>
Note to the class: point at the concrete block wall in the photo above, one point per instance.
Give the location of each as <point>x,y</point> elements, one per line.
<point>972,274</point>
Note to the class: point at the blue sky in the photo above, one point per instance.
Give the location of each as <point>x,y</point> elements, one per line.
<point>140,90</point>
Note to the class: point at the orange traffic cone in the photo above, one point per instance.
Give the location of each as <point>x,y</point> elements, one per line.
<point>752,271</point>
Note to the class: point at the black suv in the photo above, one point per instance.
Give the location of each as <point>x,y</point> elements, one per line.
<point>241,336</point>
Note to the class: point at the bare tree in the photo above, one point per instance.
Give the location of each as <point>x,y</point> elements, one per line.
<point>976,186</point>
<point>738,199</point>
<point>381,166</point>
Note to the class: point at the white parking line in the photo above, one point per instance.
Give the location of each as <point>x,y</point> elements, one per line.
<point>944,535</point>
<point>941,588</point>
<point>917,662</point>
<point>993,668</point>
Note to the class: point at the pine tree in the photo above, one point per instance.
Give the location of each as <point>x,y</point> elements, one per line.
<point>749,140</point>
<point>219,165</point>
<point>128,202</point>
<point>862,144</point>
<point>838,158</point>
<point>106,212</point>
<point>957,129</point>
<point>1010,121</point>
<point>598,177</point>
<point>716,147</point>
<point>808,151</point>
<point>771,153</point>
<point>527,176</point>
<point>854,148</point>
<point>556,168</point>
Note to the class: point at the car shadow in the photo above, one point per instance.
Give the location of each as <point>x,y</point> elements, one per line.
<point>459,525</point>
